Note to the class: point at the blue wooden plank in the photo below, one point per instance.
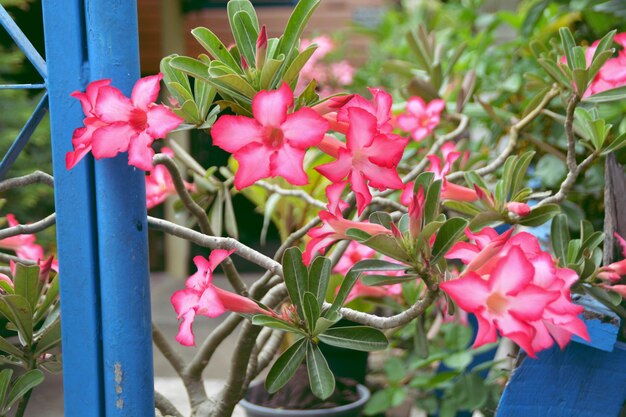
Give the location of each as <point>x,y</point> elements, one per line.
<point>23,43</point>
<point>602,324</point>
<point>113,49</point>
<point>578,382</point>
<point>24,135</point>
<point>76,222</point>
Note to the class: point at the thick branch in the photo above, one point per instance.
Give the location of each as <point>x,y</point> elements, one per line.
<point>37,177</point>
<point>166,349</point>
<point>203,220</point>
<point>28,229</point>
<point>213,242</point>
<point>165,406</point>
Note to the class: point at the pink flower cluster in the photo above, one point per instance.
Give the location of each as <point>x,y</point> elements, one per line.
<point>113,123</point>
<point>203,298</point>
<point>421,118</point>
<point>159,184</point>
<point>329,76</point>
<point>515,288</point>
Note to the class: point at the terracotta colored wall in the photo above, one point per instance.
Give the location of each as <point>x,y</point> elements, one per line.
<point>330,16</point>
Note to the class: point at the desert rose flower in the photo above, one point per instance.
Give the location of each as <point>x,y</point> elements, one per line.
<point>159,184</point>
<point>369,158</point>
<point>421,118</point>
<point>520,262</point>
<point>449,190</point>
<point>24,246</point>
<point>379,107</point>
<point>201,297</point>
<point>273,142</point>
<point>521,209</point>
<point>115,123</point>
<point>613,272</point>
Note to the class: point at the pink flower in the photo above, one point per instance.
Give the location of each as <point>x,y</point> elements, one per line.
<point>521,209</point>
<point>159,184</point>
<point>273,143</point>
<point>203,298</point>
<point>613,272</point>
<point>114,123</point>
<point>379,107</point>
<point>514,287</point>
<point>369,157</point>
<point>334,226</point>
<point>421,118</point>
<point>24,246</point>
<point>449,190</point>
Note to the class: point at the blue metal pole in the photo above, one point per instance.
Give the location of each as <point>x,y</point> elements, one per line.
<point>76,213</point>
<point>113,48</point>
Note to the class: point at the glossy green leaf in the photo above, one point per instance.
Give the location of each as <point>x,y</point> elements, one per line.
<point>270,71</point>
<point>362,338</point>
<point>274,323</point>
<point>520,168</point>
<point>613,94</point>
<point>295,26</point>
<point>190,66</point>
<point>568,43</point>
<point>559,232</point>
<point>555,72</point>
<point>580,80</point>
<point>319,277</point>
<point>377,265</point>
<point>431,202</point>
<point>296,277</point>
<point>17,310</point>
<point>447,236</point>
<point>383,243</point>
<point>22,385</point>
<point>311,309</point>
<point>235,6</point>
<point>5,380</point>
<point>245,36</point>
<point>9,348</point>
<point>540,215</point>
<point>321,379</point>
<point>324,323</point>
<point>286,366</point>
<point>50,338</point>
<point>462,207</point>
<point>27,283</point>
<point>374,280</point>
<point>346,285</point>
<point>291,74</point>
<point>214,46</point>
<point>617,143</point>
<point>382,218</point>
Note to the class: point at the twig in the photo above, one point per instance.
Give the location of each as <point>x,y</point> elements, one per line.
<point>513,136</point>
<point>570,180</point>
<point>214,242</point>
<point>5,257</point>
<point>165,406</point>
<point>37,177</point>
<point>203,220</point>
<point>28,229</point>
<point>166,349</point>
<point>291,193</point>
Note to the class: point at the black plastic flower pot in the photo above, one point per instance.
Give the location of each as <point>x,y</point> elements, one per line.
<point>353,409</point>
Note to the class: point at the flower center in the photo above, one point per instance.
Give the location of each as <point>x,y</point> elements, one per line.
<point>497,303</point>
<point>138,119</point>
<point>273,137</point>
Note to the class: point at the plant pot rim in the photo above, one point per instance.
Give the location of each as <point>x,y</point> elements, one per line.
<point>364,396</point>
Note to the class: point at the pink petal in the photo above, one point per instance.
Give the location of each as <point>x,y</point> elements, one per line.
<point>140,152</point>
<point>185,334</point>
<point>184,300</point>
<point>622,243</point>
<point>407,122</point>
<point>270,107</point>
<point>469,292</point>
<point>107,141</point>
<point>146,91</point>
<point>464,251</point>
<point>512,273</point>
<point>232,133</point>
<point>217,256</point>
<point>287,162</point>
<point>435,107</point>
<point>361,130</point>
<point>88,98</point>
<point>304,128</point>
<point>385,151</point>
<point>382,178</point>
<point>112,106</point>
<point>361,190</point>
<point>338,170</point>
<point>203,277</point>
<point>161,121</point>
<point>210,304</point>
<point>486,329</point>
<point>254,164</point>
<point>238,303</point>
<point>333,193</point>
<point>416,106</point>
<point>530,303</point>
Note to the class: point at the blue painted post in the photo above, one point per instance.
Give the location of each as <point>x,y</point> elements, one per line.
<point>76,213</point>
<point>113,48</point>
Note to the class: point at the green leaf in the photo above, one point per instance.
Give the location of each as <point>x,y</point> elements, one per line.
<point>245,36</point>
<point>17,310</point>
<point>362,338</point>
<point>580,80</point>
<point>296,277</point>
<point>385,399</point>
<point>377,265</point>
<point>311,309</point>
<point>471,177</point>
<point>559,232</point>
<point>382,218</point>
<point>347,284</point>
<point>485,219</point>
<point>190,66</point>
<point>50,338</point>
<point>235,6</point>
<point>604,45</point>
<point>613,94</point>
<point>431,202</point>
<point>323,324</point>
<point>27,283</point>
<point>555,72</point>
<point>617,143</point>
<point>374,280</point>
<point>215,47</point>
<point>286,366</point>
<point>447,236</point>
<point>420,340</point>
<point>321,378</point>
<point>568,43</point>
<point>590,243</point>
<point>8,347</point>
<point>5,380</point>
<point>269,71</point>
<point>540,215</point>
<point>385,244</point>
<point>319,277</point>
<point>291,75</point>
<point>297,21</point>
<point>274,323</point>
<point>459,360</point>
<point>23,384</point>
<point>598,62</point>
<point>520,168</point>
<point>462,207</point>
